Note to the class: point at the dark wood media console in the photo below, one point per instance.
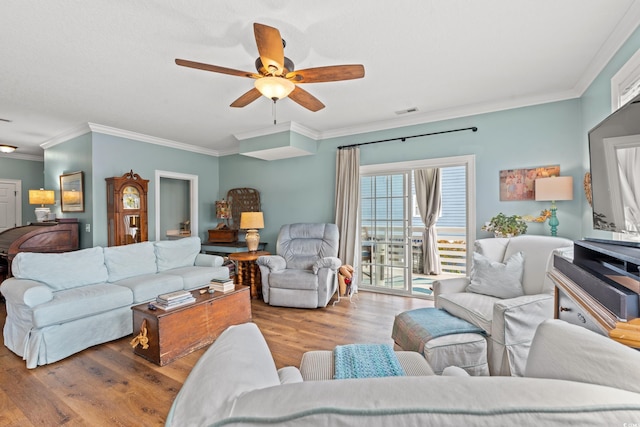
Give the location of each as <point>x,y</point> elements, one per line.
<point>599,289</point>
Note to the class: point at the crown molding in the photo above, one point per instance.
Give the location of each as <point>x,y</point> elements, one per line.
<point>66,136</point>
<point>621,33</point>
<point>121,133</point>
<point>19,156</point>
<point>107,130</point>
<point>453,113</point>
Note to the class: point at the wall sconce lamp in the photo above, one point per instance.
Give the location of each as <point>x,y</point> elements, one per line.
<point>4,148</point>
<point>554,189</point>
<point>252,221</point>
<point>41,197</point>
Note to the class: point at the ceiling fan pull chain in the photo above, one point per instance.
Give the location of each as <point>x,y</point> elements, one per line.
<point>273,110</point>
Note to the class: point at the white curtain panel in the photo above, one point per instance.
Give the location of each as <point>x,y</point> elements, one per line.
<point>347,203</point>
<point>427,182</point>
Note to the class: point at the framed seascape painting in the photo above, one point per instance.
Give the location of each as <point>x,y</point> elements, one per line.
<point>71,192</point>
<point>519,184</point>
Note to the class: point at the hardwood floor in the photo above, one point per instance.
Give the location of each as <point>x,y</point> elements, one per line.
<point>109,385</point>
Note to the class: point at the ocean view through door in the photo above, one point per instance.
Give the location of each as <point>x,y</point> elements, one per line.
<point>392,229</point>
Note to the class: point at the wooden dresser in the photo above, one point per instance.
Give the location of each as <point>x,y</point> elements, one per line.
<point>599,290</point>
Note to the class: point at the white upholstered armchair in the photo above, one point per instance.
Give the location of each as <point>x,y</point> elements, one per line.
<point>303,274</point>
<point>508,295</point>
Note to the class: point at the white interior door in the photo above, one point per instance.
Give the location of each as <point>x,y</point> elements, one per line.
<point>10,214</point>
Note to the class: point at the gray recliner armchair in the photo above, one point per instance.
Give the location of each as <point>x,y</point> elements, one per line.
<point>304,273</point>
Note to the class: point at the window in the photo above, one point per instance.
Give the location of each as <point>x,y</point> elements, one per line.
<point>626,82</point>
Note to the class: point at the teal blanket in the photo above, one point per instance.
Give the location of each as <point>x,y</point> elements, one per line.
<point>365,361</point>
<point>413,329</point>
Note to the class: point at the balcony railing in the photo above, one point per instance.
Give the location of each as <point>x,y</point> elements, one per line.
<point>452,249</point>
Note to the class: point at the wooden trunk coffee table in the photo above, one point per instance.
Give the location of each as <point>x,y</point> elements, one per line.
<point>179,331</point>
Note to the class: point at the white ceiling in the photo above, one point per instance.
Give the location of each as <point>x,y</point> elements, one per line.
<point>66,63</point>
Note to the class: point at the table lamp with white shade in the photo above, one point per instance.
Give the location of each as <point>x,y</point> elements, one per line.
<point>553,189</point>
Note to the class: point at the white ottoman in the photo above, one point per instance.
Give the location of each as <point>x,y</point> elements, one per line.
<point>467,351</point>
<point>318,365</point>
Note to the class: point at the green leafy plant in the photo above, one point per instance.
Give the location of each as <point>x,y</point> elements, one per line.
<point>506,226</point>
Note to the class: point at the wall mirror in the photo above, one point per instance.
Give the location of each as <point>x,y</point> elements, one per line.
<point>71,192</point>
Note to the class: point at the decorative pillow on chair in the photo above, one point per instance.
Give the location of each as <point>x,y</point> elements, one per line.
<point>496,279</point>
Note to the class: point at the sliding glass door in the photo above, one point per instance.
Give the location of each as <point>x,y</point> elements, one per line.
<point>385,207</point>
<point>391,227</point>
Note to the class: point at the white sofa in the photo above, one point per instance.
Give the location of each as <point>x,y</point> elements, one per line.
<point>509,321</point>
<point>573,377</point>
<point>60,304</point>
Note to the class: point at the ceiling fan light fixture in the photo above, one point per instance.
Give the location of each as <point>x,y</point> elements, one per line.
<point>4,148</point>
<point>274,87</point>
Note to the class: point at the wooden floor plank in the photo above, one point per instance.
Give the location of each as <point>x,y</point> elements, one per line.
<point>109,385</point>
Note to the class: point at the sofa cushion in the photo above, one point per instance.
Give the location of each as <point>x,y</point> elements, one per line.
<point>64,270</point>
<point>294,279</point>
<point>130,260</point>
<point>148,286</point>
<point>208,260</point>
<point>80,302</point>
<point>177,253</point>
<point>474,308</point>
<point>537,251</point>
<point>496,279</point>
<point>197,277</point>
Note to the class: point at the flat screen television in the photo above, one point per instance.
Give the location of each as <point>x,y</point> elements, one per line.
<point>614,154</point>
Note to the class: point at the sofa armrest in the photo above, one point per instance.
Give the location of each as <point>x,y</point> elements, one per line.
<point>272,262</point>
<point>449,286</point>
<point>208,260</point>
<point>329,262</point>
<point>238,362</point>
<point>24,291</point>
<point>514,324</point>
<point>569,352</point>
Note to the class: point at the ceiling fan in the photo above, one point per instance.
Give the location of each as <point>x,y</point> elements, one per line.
<point>276,78</point>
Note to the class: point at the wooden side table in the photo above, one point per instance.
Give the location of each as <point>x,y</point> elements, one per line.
<point>247,271</point>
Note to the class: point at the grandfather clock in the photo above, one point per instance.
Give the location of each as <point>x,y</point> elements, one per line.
<point>127,209</point>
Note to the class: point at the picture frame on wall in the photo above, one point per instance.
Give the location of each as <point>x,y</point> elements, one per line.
<point>519,184</point>
<point>72,192</point>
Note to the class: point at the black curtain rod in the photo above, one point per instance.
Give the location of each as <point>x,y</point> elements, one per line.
<point>404,138</point>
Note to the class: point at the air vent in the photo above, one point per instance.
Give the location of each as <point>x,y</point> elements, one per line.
<point>408,110</point>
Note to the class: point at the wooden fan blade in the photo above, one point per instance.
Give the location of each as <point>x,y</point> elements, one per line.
<point>246,98</point>
<point>305,99</point>
<point>331,73</point>
<point>216,69</point>
<point>270,48</point>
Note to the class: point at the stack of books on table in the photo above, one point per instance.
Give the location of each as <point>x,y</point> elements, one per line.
<point>222,285</point>
<point>174,299</point>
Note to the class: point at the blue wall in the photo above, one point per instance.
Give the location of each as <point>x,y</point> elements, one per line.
<point>73,155</point>
<point>101,156</point>
<point>115,156</point>
<point>301,189</point>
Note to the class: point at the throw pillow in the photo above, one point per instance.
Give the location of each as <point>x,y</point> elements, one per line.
<point>496,279</point>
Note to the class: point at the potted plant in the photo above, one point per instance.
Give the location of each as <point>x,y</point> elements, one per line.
<point>506,226</point>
